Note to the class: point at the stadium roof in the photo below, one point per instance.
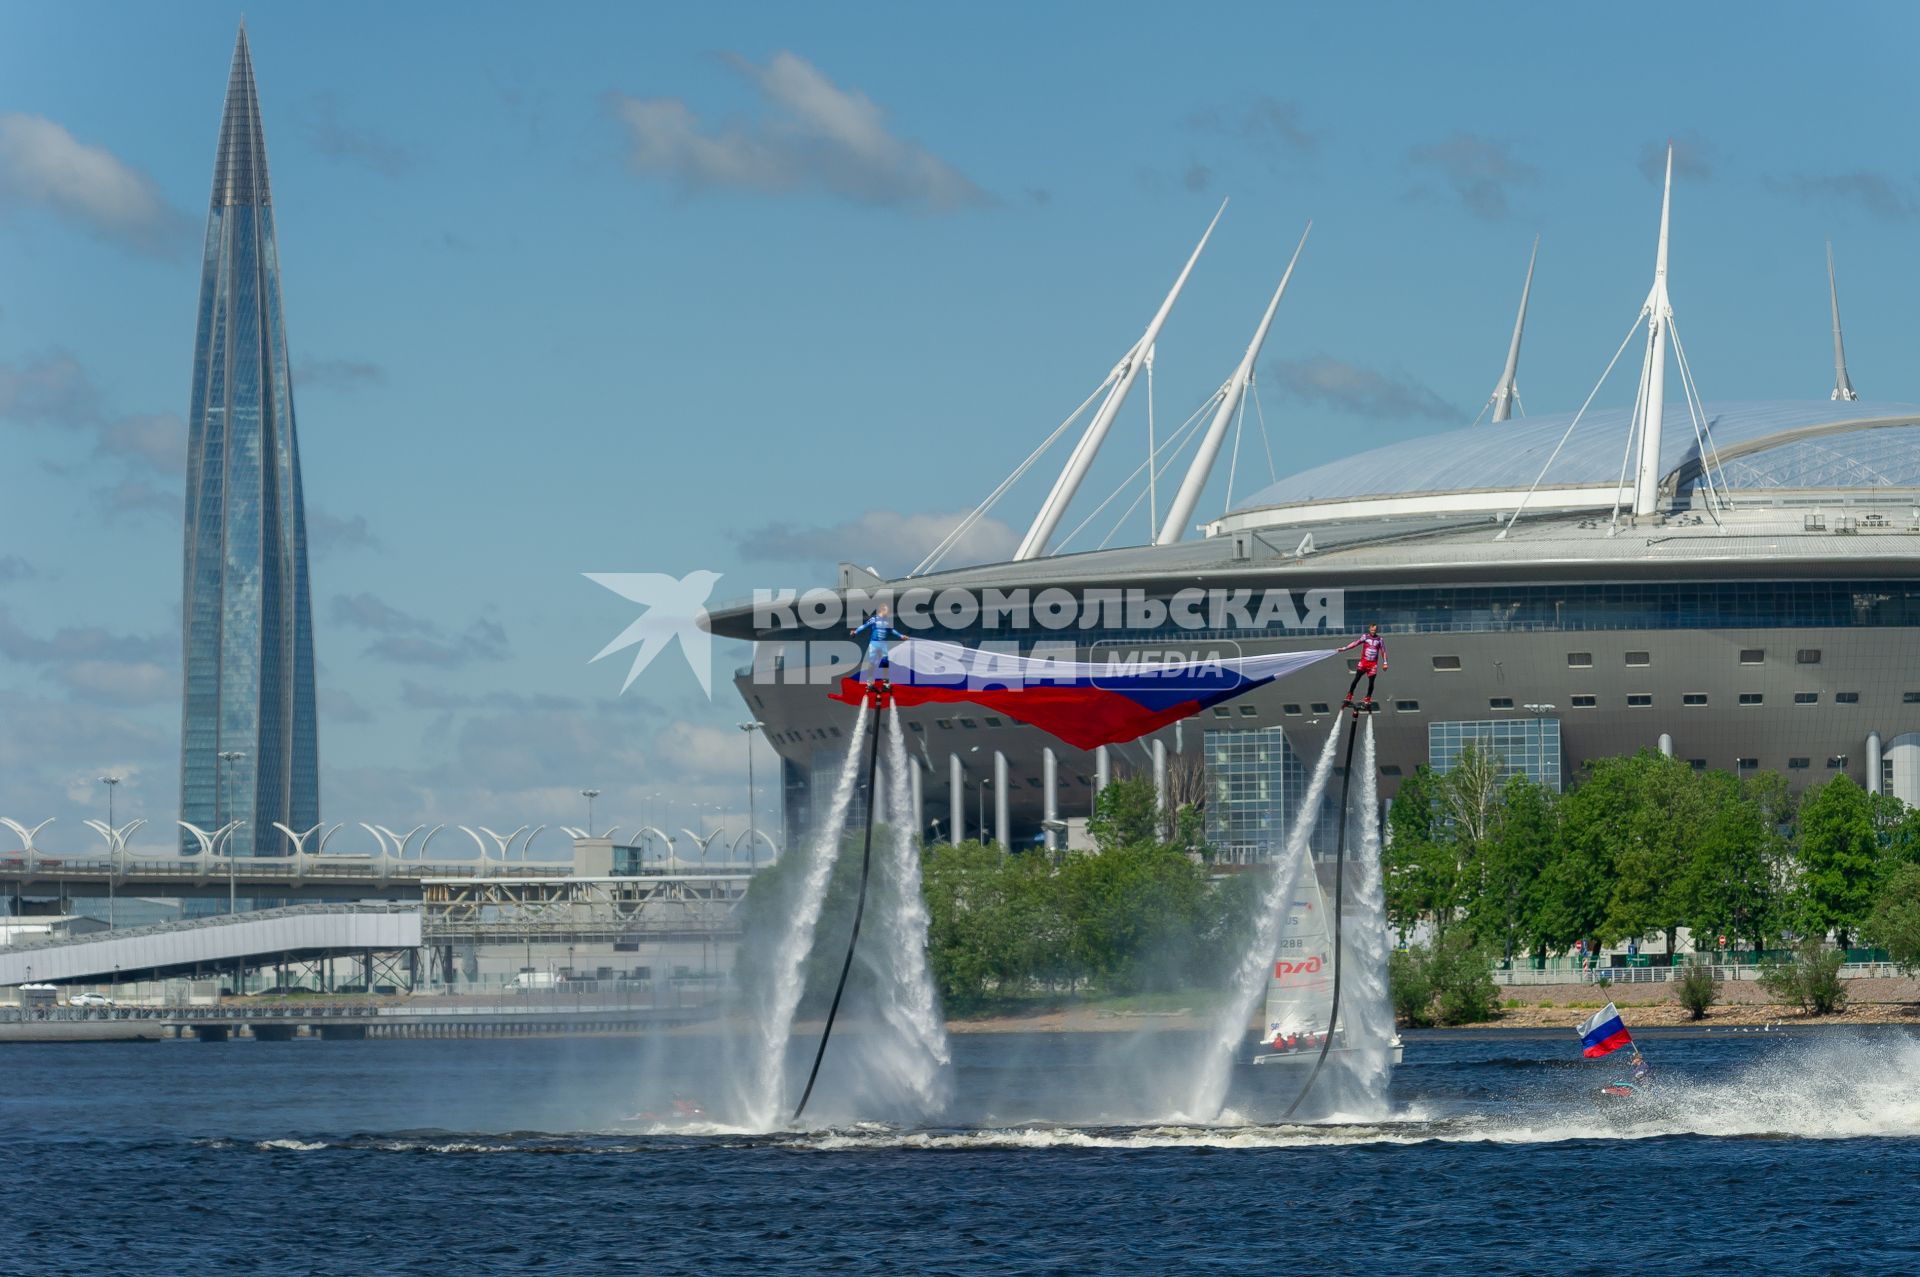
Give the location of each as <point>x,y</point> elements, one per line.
<point>1769,444</point>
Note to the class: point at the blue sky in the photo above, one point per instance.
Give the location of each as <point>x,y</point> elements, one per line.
<point>624,288</point>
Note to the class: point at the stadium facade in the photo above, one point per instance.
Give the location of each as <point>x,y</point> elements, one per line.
<point>248,738</point>
<point>1743,594</point>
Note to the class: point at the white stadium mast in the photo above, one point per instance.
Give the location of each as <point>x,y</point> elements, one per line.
<point>1650,401</point>
<point>1230,397</point>
<point>1121,379</point>
<point>1507,393</point>
<point>1658,314</point>
<point>1842,384</point>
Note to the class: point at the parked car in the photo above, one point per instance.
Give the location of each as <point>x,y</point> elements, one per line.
<point>89,1000</point>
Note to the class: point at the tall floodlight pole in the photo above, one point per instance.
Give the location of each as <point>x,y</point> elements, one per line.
<point>1034,544</point>
<point>113,845</point>
<point>750,729</point>
<point>589,795</point>
<point>230,757</point>
<point>1231,396</point>
<point>1658,313</point>
<point>1842,384</point>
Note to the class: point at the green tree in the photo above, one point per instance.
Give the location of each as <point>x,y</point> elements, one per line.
<point>1839,859</point>
<point>1810,979</point>
<point>1734,882</point>
<point>1125,814</point>
<point>1417,868</point>
<point>1696,989</point>
<point>1504,877</point>
<point>1894,922</point>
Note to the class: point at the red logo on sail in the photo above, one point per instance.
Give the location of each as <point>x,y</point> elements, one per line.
<point>1284,968</point>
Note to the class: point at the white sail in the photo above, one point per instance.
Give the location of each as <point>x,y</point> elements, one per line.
<point>1300,986</point>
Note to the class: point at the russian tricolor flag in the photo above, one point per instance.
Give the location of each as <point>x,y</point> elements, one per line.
<point>1603,1033</point>
<point>1085,703</point>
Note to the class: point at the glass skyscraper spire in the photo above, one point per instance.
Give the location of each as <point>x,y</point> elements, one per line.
<point>247,622</point>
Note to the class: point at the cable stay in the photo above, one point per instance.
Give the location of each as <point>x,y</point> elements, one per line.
<point>965,525</point>
<point>1568,433</point>
<point>1173,446</point>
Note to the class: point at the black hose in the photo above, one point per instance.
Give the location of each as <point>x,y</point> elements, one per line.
<point>1339,913</point>
<point>860,908</point>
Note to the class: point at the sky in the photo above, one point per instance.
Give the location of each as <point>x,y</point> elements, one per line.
<point>751,289</point>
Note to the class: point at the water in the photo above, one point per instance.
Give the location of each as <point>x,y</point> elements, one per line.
<point>1356,1079</point>
<point>1214,1062</point>
<point>1783,1152</point>
<point>764,1099</point>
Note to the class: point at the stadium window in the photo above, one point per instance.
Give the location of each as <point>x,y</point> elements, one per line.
<point>1033,782</point>
<point>1749,764</point>
<point>1806,698</point>
<point>1693,698</point>
<point>834,732</point>
<point>944,724</point>
<point>916,727</point>
<point>1639,658</point>
<point>1639,700</point>
<point>994,722</point>
<point>1753,656</point>
<point>1910,698</point>
<point>1221,711</point>
<point>1289,709</point>
<point>1750,698</point>
<point>1579,660</point>
<point>1698,764</point>
<point>1500,702</point>
<point>1807,656</point>
<point>1446,662</point>
<point>1390,769</point>
<point>968,723</point>
<point>1319,707</point>
<point>1407,707</point>
<point>1248,711</point>
<point>1799,764</point>
<point>1836,761</point>
<point>1085,781</point>
<point>1846,698</point>
<point>1585,701</point>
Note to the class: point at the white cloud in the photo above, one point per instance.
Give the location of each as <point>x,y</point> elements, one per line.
<point>42,166</point>
<point>816,136</point>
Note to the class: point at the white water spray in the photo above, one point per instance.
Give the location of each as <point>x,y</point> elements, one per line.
<point>1228,1033</point>
<point>914,1041</point>
<point>768,1102</point>
<point>1363,1070</point>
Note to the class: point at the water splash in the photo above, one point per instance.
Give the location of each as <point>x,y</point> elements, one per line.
<point>910,1056</point>
<point>1359,1074</point>
<point>1228,1034</point>
<point>766,1104</point>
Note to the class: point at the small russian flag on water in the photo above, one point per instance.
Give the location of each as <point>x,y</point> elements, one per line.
<point>1603,1033</point>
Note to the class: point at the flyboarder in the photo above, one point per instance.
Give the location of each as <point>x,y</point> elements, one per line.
<point>1372,660</point>
<point>880,631</point>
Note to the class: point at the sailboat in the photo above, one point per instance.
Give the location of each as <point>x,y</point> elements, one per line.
<point>1300,986</point>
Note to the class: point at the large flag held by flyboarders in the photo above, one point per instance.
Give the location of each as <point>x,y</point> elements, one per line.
<point>1085,703</point>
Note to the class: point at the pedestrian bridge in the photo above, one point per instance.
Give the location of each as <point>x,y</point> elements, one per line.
<point>293,934</point>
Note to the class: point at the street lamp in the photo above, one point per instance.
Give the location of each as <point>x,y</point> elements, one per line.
<point>229,757</point>
<point>113,845</point>
<point>589,795</point>
<point>750,729</point>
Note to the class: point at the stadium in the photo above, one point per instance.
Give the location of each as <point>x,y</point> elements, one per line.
<point>1734,583</point>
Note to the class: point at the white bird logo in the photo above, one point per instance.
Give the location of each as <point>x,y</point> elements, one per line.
<point>676,606</point>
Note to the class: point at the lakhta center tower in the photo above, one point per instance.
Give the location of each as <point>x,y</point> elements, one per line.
<point>248,750</point>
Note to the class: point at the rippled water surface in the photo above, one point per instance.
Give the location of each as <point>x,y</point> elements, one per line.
<point>1782,1152</point>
